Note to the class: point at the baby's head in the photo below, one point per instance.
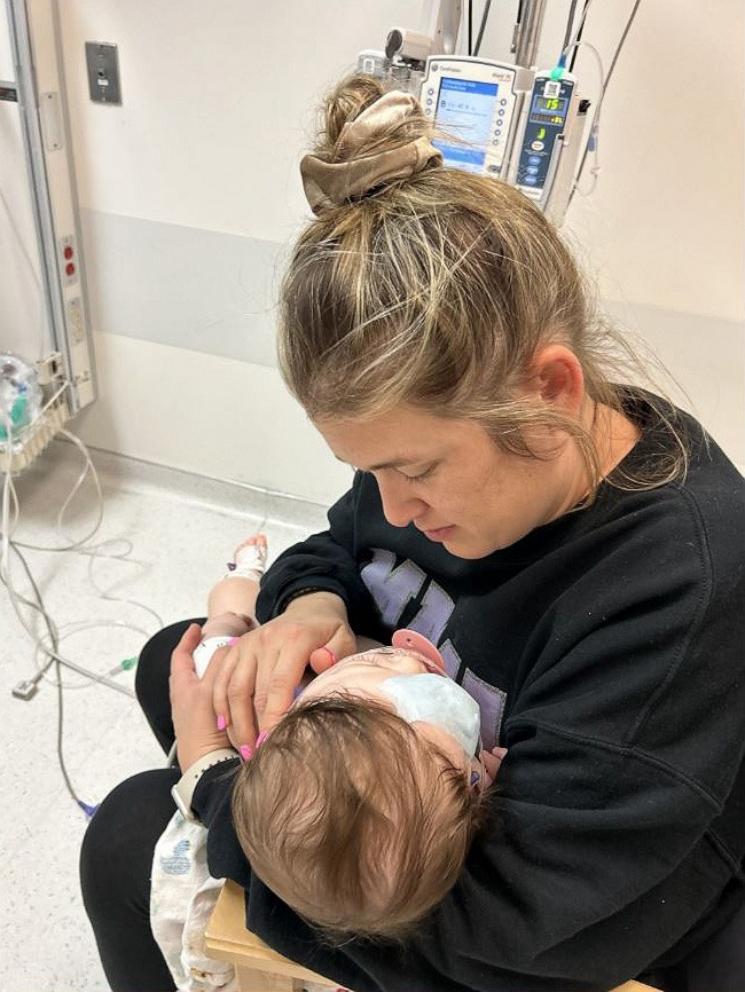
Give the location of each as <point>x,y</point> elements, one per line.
<point>359,808</point>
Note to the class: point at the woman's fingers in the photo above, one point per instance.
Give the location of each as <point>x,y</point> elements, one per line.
<point>254,683</point>
<point>323,658</point>
<point>224,668</point>
<point>182,660</point>
<point>340,645</point>
<point>243,722</point>
<point>276,683</point>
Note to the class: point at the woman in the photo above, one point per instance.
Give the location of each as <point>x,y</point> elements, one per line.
<point>572,547</point>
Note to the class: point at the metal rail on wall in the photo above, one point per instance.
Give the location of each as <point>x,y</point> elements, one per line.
<point>66,372</point>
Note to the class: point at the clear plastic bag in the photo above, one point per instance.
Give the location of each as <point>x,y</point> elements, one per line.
<point>20,395</point>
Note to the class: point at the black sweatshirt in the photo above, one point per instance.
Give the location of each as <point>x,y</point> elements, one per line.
<point>607,652</point>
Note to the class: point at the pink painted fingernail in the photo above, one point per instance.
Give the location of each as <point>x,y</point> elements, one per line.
<point>261,738</point>
<point>233,640</point>
<point>221,724</point>
<point>246,751</point>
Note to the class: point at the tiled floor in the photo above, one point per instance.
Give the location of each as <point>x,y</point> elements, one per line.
<point>182,531</point>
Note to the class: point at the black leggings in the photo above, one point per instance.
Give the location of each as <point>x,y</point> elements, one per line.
<point>118,846</point>
<point>117,851</point>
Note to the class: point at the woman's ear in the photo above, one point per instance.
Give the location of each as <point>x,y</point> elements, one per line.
<point>557,379</point>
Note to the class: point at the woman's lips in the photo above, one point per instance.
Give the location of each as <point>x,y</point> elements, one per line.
<point>440,534</point>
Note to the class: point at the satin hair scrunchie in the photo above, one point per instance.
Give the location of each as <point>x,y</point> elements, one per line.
<point>329,184</point>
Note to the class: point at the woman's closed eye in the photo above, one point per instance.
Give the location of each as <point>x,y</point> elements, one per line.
<point>422,475</point>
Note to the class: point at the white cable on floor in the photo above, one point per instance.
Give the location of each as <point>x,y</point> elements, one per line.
<point>93,552</point>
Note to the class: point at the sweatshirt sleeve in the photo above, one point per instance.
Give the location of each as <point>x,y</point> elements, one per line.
<point>611,834</point>
<point>211,802</point>
<point>325,561</point>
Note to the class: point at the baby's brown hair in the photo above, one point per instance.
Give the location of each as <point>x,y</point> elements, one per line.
<point>353,819</point>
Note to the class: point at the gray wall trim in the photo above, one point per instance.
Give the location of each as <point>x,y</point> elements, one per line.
<point>181,286</point>
<point>211,292</point>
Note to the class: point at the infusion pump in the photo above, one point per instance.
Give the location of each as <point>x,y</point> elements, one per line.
<point>499,119</point>
<point>475,106</point>
<point>507,122</point>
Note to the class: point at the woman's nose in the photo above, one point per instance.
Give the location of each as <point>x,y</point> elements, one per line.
<point>400,507</point>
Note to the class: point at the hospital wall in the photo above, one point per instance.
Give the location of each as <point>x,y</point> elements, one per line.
<point>190,195</point>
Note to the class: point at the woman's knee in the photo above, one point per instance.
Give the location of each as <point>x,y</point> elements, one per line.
<point>152,665</point>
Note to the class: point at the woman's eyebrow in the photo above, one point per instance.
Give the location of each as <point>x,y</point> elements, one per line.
<point>394,463</point>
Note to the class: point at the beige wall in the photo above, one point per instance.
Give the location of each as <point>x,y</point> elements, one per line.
<point>217,108</point>
<point>665,224</point>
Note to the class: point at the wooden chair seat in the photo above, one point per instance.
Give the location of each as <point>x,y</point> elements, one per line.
<point>258,967</point>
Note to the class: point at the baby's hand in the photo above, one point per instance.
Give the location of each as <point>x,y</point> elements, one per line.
<point>492,762</point>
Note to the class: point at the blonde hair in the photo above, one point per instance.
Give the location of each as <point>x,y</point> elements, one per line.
<point>353,819</point>
<point>436,291</point>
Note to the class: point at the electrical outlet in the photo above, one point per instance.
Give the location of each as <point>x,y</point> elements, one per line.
<point>50,368</point>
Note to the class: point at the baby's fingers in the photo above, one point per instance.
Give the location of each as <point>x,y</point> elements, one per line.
<point>493,760</point>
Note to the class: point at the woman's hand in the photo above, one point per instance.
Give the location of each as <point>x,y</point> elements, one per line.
<point>191,703</point>
<point>256,680</point>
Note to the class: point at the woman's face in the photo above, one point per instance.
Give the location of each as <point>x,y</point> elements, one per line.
<point>449,479</point>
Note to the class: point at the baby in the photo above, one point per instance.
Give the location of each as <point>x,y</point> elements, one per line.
<point>358,808</point>
<point>387,777</point>
<point>385,796</point>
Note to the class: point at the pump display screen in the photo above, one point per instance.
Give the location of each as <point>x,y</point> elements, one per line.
<point>548,110</point>
<point>465,110</point>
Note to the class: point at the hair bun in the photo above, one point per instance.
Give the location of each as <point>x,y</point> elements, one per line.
<point>373,136</point>
<point>344,104</point>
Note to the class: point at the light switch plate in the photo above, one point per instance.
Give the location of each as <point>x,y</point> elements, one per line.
<point>102,61</point>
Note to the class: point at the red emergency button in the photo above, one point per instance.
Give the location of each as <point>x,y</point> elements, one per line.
<point>70,269</point>
<point>68,253</point>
